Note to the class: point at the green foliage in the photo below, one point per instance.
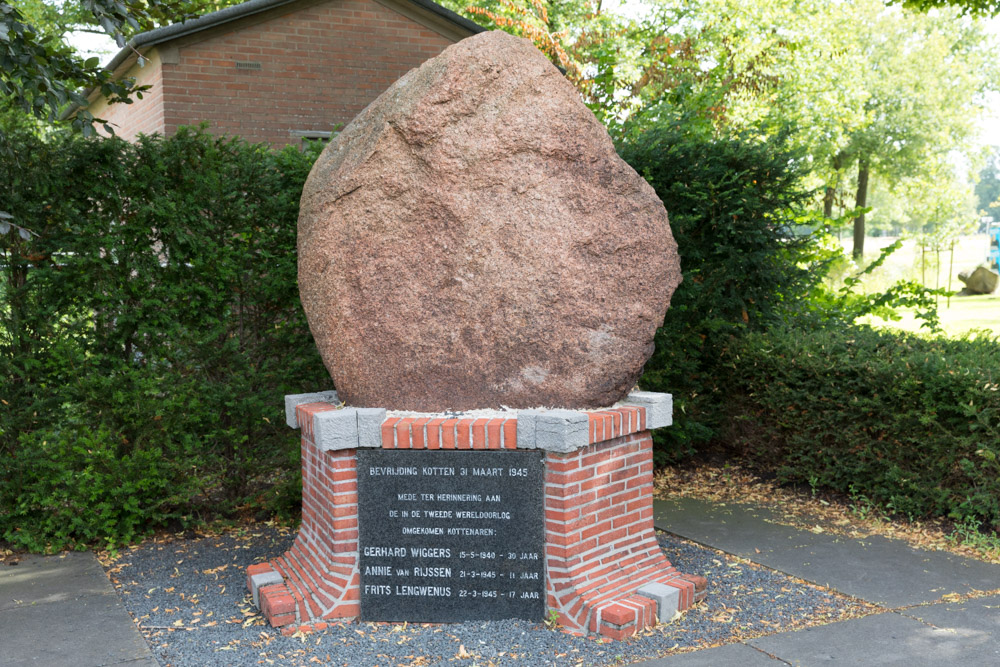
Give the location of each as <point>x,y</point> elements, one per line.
<point>40,73</point>
<point>910,423</point>
<point>826,308</point>
<point>988,187</point>
<point>973,7</point>
<point>153,308</point>
<point>734,207</point>
<point>77,485</point>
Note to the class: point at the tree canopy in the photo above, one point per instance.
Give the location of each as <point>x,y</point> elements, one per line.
<point>40,73</point>
<point>988,187</point>
<point>869,92</point>
<point>974,7</point>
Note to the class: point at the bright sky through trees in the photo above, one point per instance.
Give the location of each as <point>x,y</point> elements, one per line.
<point>887,103</point>
<point>990,125</point>
<point>92,44</point>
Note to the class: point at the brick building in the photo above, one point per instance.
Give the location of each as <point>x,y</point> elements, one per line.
<point>276,70</point>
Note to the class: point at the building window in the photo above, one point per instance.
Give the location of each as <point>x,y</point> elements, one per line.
<point>309,136</point>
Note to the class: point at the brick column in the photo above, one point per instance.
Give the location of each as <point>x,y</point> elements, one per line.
<point>319,576</point>
<point>601,547</point>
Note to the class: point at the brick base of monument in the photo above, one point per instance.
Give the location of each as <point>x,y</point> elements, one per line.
<point>600,544</point>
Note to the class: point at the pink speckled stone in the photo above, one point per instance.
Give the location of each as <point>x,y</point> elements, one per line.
<point>472,240</point>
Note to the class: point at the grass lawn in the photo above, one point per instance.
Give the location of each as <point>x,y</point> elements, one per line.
<point>966,313</point>
<point>959,315</point>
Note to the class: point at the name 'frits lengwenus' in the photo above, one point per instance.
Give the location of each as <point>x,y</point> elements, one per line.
<point>472,240</point>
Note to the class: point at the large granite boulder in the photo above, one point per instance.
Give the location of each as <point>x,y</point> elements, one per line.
<point>980,281</point>
<point>472,240</point>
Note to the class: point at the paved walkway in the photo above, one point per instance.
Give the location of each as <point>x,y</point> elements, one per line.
<point>61,610</point>
<point>915,629</point>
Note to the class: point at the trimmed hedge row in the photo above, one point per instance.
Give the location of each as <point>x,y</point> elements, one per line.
<point>911,423</point>
<point>737,211</point>
<point>150,325</point>
<point>149,328</point>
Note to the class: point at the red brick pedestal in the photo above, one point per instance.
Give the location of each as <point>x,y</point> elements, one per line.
<point>600,543</point>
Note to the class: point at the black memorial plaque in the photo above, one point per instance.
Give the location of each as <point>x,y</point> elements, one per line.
<point>448,536</point>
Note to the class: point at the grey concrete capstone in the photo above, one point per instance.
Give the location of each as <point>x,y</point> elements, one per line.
<point>336,429</point>
<point>659,407</point>
<point>561,431</point>
<point>370,426</point>
<point>292,401</point>
<point>667,599</point>
<point>526,428</point>
<point>258,581</point>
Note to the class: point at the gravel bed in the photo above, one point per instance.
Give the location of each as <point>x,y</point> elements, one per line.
<point>191,603</point>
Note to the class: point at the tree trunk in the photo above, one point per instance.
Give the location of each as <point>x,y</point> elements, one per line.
<point>860,201</point>
<point>830,196</point>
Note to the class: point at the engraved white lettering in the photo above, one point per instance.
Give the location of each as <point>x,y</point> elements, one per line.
<point>424,591</point>
<point>422,530</point>
<point>482,515</point>
<point>376,471</point>
<point>428,552</point>
<point>482,532</point>
<point>435,470</point>
<point>385,551</point>
<point>432,571</point>
<point>460,497</point>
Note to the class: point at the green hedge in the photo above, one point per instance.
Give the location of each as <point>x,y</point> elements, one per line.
<point>908,422</point>
<point>736,210</point>
<point>149,329</point>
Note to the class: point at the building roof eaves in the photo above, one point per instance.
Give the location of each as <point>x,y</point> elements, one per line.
<point>175,30</point>
<point>150,38</point>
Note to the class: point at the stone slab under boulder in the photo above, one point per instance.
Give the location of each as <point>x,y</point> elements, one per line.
<point>472,240</point>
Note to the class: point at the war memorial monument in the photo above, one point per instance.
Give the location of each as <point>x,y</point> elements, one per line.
<point>483,277</point>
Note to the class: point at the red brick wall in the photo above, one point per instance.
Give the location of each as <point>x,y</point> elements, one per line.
<point>321,569</point>
<point>143,116</point>
<point>320,65</point>
<point>441,433</point>
<point>599,538</point>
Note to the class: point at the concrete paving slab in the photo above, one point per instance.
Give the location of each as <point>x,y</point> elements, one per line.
<point>39,579</point>
<point>879,570</point>
<point>737,529</point>
<point>969,619</point>
<point>62,611</point>
<point>886,572</point>
<point>731,655</point>
<point>87,631</point>
<point>883,639</point>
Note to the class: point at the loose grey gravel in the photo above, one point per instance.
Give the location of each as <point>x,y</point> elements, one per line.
<point>190,601</point>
